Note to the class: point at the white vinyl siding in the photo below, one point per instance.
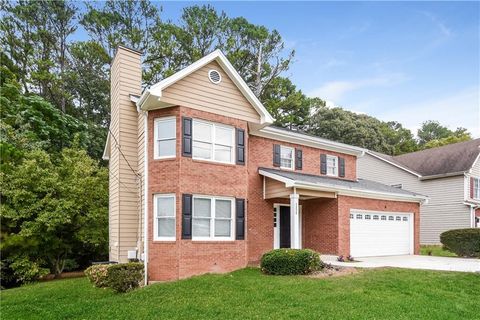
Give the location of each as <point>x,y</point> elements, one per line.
<point>476,188</point>
<point>212,218</point>
<point>164,217</point>
<point>445,209</point>
<point>286,157</point>
<point>213,142</point>
<point>332,166</point>
<point>165,138</point>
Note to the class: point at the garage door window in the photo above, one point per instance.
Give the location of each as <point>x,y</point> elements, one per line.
<point>384,217</point>
<point>367,217</point>
<point>359,216</point>
<point>391,218</point>
<point>375,217</point>
<point>405,218</point>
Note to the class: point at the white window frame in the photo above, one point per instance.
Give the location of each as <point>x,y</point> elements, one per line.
<point>213,126</point>
<point>156,139</point>
<point>293,158</point>
<point>330,157</point>
<point>155,218</point>
<point>476,188</point>
<point>212,236</point>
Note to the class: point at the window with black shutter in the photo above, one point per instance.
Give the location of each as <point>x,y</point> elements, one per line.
<point>187,137</point>
<point>240,219</point>
<point>298,159</point>
<point>341,167</point>
<point>276,155</point>
<point>186,216</point>
<point>323,164</point>
<point>240,146</point>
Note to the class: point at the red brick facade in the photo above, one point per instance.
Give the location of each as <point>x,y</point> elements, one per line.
<point>325,221</point>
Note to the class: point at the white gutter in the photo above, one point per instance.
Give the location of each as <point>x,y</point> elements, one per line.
<point>442,175</point>
<point>145,198</point>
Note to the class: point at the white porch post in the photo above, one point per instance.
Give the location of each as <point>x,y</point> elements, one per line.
<point>294,221</point>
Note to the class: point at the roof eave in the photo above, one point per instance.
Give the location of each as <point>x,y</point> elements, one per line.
<point>443,175</point>
<point>394,164</point>
<point>316,142</point>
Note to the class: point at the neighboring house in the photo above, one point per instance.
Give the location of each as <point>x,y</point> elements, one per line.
<point>201,182</point>
<point>448,175</point>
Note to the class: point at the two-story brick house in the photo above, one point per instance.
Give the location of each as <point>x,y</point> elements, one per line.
<point>201,182</point>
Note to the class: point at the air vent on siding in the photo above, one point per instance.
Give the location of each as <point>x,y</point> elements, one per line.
<point>214,76</point>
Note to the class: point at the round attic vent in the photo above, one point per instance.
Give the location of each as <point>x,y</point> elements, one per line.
<point>214,76</point>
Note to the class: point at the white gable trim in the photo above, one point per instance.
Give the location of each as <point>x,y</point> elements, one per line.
<point>394,164</point>
<point>217,55</point>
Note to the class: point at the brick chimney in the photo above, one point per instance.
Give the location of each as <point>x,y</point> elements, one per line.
<point>125,169</point>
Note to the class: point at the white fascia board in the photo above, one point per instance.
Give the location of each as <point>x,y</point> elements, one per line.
<point>361,193</point>
<point>106,149</point>
<point>443,175</point>
<point>288,182</point>
<point>156,89</point>
<point>474,163</point>
<point>394,164</point>
<point>303,139</point>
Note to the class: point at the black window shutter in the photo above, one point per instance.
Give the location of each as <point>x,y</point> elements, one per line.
<point>186,216</point>
<point>240,219</point>
<point>341,167</point>
<point>298,159</point>
<point>240,134</point>
<point>323,164</point>
<point>187,137</point>
<point>276,155</point>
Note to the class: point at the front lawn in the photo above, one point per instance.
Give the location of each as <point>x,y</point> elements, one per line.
<point>247,294</point>
<point>437,251</point>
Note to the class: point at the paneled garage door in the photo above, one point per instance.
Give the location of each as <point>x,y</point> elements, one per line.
<point>376,233</point>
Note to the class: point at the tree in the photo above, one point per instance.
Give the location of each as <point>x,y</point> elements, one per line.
<point>289,107</point>
<point>433,134</point>
<point>40,201</point>
<point>459,135</point>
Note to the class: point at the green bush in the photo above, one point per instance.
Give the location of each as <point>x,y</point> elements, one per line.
<point>124,277</point>
<point>464,242</point>
<point>97,274</point>
<point>290,261</point>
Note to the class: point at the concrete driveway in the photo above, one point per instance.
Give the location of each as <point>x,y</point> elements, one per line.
<point>411,262</point>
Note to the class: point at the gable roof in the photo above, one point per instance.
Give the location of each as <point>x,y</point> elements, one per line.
<point>154,93</point>
<point>449,160</point>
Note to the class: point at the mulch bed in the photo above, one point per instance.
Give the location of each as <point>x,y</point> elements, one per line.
<point>64,275</point>
<point>333,271</point>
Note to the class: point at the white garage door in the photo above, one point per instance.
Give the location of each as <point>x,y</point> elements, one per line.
<point>380,233</point>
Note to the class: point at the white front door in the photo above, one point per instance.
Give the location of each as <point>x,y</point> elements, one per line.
<point>378,233</point>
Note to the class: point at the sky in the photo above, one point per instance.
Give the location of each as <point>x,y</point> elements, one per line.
<point>403,61</point>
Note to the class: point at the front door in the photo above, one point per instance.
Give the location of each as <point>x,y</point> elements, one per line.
<point>284,227</point>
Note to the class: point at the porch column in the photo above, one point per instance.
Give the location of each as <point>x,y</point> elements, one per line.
<point>294,221</point>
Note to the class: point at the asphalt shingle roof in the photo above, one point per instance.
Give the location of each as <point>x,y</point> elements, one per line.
<point>452,158</point>
<point>360,184</point>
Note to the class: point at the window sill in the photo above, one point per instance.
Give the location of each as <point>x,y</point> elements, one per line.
<point>164,241</point>
<point>165,159</point>
<point>214,162</point>
<point>216,241</point>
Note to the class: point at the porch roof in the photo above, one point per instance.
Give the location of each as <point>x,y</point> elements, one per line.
<point>358,188</point>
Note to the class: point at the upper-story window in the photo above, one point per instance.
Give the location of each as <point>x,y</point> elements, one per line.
<point>332,165</point>
<point>286,157</point>
<point>476,188</point>
<point>212,141</point>
<point>165,138</point>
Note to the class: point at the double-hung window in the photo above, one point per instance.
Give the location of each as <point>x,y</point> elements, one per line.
<point>212,218</point>
<point>213,142</point>
<point>165,138</point>
<point>476,188</point>
<point>164,217</point>
<point>332,165</point>
<point>286,157</point>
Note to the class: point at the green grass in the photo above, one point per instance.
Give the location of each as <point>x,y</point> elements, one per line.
<point>247,294</point>
<point>437,251</point>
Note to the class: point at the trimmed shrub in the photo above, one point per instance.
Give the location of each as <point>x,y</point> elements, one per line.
<point>290,261</point>
<point>124,277</point>
<point>97,274</point>
<point>463,242</point>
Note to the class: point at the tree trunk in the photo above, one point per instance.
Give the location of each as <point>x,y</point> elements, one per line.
<point>258,78</point>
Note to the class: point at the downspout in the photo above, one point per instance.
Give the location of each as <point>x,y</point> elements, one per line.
<point>146,198</point>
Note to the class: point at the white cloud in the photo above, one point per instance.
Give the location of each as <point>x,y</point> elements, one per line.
<point>444,30</point>
<point>335,90</point>
<point>461,109</point>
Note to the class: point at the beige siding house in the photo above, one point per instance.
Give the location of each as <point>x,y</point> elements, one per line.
<point>449,176</point>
